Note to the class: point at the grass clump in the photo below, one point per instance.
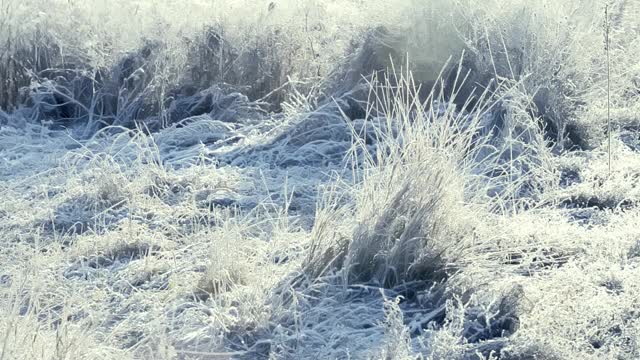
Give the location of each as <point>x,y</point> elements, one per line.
<point>412,203</point>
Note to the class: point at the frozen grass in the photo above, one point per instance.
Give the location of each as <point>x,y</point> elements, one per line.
<point>318,179</point>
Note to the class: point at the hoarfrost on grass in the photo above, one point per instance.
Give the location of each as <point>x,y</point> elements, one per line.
<point>327,179</point>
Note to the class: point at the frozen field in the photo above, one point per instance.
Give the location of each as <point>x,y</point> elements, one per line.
<point>319,179</point>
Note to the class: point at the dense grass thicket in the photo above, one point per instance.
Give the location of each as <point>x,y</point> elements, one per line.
<point>338,179</point>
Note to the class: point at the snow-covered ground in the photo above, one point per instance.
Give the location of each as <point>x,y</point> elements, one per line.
<point>281,202</point>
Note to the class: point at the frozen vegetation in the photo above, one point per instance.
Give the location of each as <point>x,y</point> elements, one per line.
<point>319,179</point>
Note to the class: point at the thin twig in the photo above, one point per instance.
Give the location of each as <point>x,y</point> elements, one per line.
<point>606,39</point>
